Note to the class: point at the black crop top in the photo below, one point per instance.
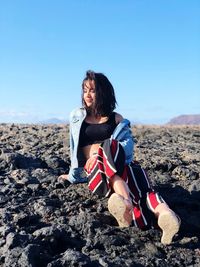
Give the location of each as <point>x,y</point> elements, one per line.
<point>96,133</point>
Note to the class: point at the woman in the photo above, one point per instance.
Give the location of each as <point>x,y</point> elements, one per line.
<point>101,150</point>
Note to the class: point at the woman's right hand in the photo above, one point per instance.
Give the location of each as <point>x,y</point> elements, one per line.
<point>90,162</point>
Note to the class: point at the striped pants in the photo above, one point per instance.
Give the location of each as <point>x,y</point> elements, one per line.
<point>110,160</point>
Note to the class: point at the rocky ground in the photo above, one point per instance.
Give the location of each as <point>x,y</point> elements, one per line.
<point>43,223</point>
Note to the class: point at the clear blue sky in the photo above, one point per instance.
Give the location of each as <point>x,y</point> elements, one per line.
<point>149,49</point>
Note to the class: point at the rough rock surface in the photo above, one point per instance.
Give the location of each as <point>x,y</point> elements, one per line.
<point>44,223</point>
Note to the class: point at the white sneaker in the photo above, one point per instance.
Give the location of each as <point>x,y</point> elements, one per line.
<point>121,212</point>
<point>170,223</point>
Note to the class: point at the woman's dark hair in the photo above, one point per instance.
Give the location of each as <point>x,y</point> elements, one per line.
<point>105,96</point>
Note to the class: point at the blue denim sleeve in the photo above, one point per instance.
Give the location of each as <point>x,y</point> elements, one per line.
<point>126,140</point>
<point>77,175</point>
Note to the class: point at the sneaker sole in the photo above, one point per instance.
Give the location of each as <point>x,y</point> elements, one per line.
<point>118,209</point>
<point>170,224</point>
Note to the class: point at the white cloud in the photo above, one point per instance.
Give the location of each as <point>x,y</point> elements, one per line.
<point>13,113</point>
<point>33,116</point>
<point>13,116</point>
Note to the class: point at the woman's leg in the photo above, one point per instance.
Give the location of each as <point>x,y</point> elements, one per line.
<point>120,187</point>
<point>143,196</point>
<point>105,179</point>
<point>119,203</point>
<point>167,219</point>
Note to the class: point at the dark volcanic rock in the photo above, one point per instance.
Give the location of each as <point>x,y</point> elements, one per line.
<point>45,223</point>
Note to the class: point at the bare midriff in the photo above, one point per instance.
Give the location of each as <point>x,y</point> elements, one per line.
<point>90,150</point>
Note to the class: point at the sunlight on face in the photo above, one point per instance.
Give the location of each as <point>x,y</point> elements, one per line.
<point>89,93</point>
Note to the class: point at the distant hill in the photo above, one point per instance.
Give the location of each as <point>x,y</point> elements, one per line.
<point>53,121</point>
<point>186,119</point>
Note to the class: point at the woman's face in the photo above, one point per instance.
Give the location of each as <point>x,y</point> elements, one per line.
<point>89,93</point>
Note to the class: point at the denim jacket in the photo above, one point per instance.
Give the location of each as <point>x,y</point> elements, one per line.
<point>122,133</point>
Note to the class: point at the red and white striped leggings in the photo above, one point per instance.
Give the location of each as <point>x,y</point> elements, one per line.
<point>110,160</point>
